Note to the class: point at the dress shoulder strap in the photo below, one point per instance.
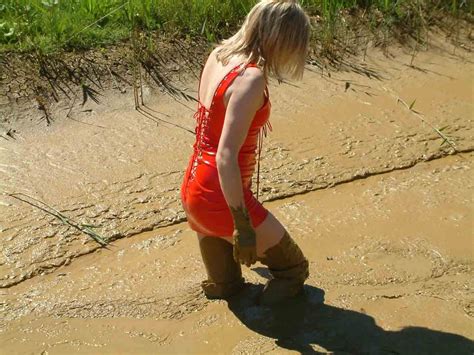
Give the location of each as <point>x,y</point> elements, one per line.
<point>228,80</point>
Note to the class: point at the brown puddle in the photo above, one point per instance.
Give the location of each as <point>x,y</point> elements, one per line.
<point>390,251</point>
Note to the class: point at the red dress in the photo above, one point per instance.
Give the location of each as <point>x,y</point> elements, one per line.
<point>201,195</point>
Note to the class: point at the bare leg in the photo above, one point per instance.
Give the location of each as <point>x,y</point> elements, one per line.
<point>269,234</point>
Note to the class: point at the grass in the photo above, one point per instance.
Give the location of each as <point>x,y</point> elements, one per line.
<point>53,25</point>
<point>439,131</point>
<point>87,229</point>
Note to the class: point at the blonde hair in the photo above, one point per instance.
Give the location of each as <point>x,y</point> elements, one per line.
<point>275,35</point>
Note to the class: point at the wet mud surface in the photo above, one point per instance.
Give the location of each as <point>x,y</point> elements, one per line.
<point>381,249</point>
<point>381,208</point>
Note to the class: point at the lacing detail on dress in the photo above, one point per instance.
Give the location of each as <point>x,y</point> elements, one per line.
<point>202,122</point>
<point>261,133</point>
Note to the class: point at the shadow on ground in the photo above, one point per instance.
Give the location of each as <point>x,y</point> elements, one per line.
<point>306,323</point>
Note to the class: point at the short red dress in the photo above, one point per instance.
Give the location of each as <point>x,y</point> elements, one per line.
<point>201,195</point>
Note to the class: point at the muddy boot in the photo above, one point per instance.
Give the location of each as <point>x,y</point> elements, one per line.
<point>289,269</point>
<point>224,274</point>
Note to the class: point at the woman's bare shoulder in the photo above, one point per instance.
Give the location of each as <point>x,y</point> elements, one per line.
<point>212,58</point>
<point>252,79</point>
<point>248,89</point>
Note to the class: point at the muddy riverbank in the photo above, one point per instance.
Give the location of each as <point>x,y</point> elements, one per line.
<point>383,210</point>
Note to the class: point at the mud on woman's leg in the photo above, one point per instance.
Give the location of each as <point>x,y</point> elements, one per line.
<point>224,275</point>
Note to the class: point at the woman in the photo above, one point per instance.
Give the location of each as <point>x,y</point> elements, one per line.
<point>233,109</point>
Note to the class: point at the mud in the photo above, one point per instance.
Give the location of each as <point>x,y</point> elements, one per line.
<point>381,209</point>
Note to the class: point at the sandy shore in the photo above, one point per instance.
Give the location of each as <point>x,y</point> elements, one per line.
<point>383,212</point>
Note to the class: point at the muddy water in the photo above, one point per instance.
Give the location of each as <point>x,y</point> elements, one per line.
<point>380,248</point>
<point>396,247</point>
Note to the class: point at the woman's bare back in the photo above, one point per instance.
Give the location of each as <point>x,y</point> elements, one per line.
<point>213,74</point>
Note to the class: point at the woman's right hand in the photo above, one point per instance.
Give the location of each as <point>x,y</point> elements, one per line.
<point>245,248</point>
<point>245,238</point>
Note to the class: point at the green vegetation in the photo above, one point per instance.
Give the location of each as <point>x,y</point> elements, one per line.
<point>87,229</point>
<point>50,25</point>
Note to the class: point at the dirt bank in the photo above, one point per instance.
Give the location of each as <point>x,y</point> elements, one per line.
<point>383,211</point>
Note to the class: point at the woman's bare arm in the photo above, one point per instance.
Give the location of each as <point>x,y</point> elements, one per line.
<point>245,100</point>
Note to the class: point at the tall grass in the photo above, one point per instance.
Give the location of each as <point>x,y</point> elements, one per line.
<point>54,24</point>
<point>50,25</point>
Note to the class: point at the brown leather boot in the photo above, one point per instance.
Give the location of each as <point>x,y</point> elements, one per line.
<point>224,274</point>
<point>289,269</point>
